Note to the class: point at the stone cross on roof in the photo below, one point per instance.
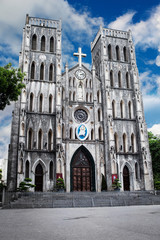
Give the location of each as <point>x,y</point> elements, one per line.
<point>80,55</point>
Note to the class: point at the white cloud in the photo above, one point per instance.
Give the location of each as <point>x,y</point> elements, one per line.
<point>158,60</point>
<point>4,141</point>
<point>146,33</point>
<point>77,26</point>
<point>155,129</point>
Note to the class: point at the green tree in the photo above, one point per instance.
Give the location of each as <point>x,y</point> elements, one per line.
<point>26,185</point>
<point>10,84</point>
<point>154,145</point>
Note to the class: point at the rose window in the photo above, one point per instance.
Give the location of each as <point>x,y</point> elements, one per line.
<point>80,115</point>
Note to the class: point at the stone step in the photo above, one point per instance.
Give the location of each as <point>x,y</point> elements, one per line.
<point>68,200</point>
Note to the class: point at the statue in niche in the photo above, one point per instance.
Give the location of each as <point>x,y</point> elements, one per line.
<point>80,91</point>
<point>144,153</point>
<point>112,152</point>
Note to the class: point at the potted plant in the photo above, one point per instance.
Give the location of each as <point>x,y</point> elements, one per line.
<point>116,185</point>
<point>26,185</point>
<point>60,185</point>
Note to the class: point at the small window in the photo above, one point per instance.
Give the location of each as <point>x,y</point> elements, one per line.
<point>42,72</point>
<point>109,52</point>
<point>51,44</point>
<point>34,42</point>
<point>111,78</point>
<point>33,70</point>
<point>43,43</point>
<point>51,72</point>
<point>117,53</point>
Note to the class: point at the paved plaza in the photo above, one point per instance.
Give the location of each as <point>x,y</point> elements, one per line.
<point>122,223</point>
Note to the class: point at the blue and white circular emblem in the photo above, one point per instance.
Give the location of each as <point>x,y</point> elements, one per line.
<point>82,132</point>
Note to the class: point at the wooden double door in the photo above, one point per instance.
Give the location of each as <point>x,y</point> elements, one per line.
<point>81,172</point>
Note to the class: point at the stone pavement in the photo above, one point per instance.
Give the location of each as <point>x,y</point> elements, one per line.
<point>122,223</point>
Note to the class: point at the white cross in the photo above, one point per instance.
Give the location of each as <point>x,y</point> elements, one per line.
<point>79,55</point>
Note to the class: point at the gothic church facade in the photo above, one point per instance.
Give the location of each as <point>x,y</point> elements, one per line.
<point>79,124</point>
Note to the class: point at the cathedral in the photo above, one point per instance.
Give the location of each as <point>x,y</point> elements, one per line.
<point>79,124</point>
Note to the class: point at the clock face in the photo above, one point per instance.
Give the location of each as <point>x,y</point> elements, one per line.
<point>80,74</point>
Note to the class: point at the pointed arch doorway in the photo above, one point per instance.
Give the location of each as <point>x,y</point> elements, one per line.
<point>126,179</point>
<point>82,171</point>
<point>39,178</point>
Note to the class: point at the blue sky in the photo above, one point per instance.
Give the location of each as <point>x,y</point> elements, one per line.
<point>80,23</point>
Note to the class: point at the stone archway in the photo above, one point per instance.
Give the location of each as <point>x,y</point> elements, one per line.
<point>39,178</point>
<point>126,179</point>
<point>82,171</point>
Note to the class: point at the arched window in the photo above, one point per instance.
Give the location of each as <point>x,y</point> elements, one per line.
<point>51,72</point>
<point>121,109</point>
<point>70,79</point>
<point>50,103</point>
<point>127,80</point>
<point>40,102</point>
<point>116,142</point>
<point>100,133</point>
<point>71,133</point>
<point>33,70</point>
<point>91,97</point>
<point>40,139</point>
<point>92,134</point>
<point>30,137</point>
<point>74,96</point>
<point>113,109</point>
<point>87,97</point>
<point>117,53</point>
<point>129,110</point>
<point>31,102</point>
<point>51,170</point>
<point>125,54</point>
<point>86,83</point>
<point>51,44</point>
<point>43,43</point>
<point>74,82</point>
<point>111,78</point>
<point>70,96</point>
<point>99,115</point>
<point>119,79</point>
<point>124,143</point>
<point>90,83</point>
<point>42,72</point>
<point>50,140</point>
<point>136,170</point>
<point>34,42</point>
<point>109,52</point>
<point>132,143</point>
<point>27,169</point>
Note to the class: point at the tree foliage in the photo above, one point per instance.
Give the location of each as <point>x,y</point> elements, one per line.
<point>154,145</point>
<point>10,84</point>
<point>26,185</point>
